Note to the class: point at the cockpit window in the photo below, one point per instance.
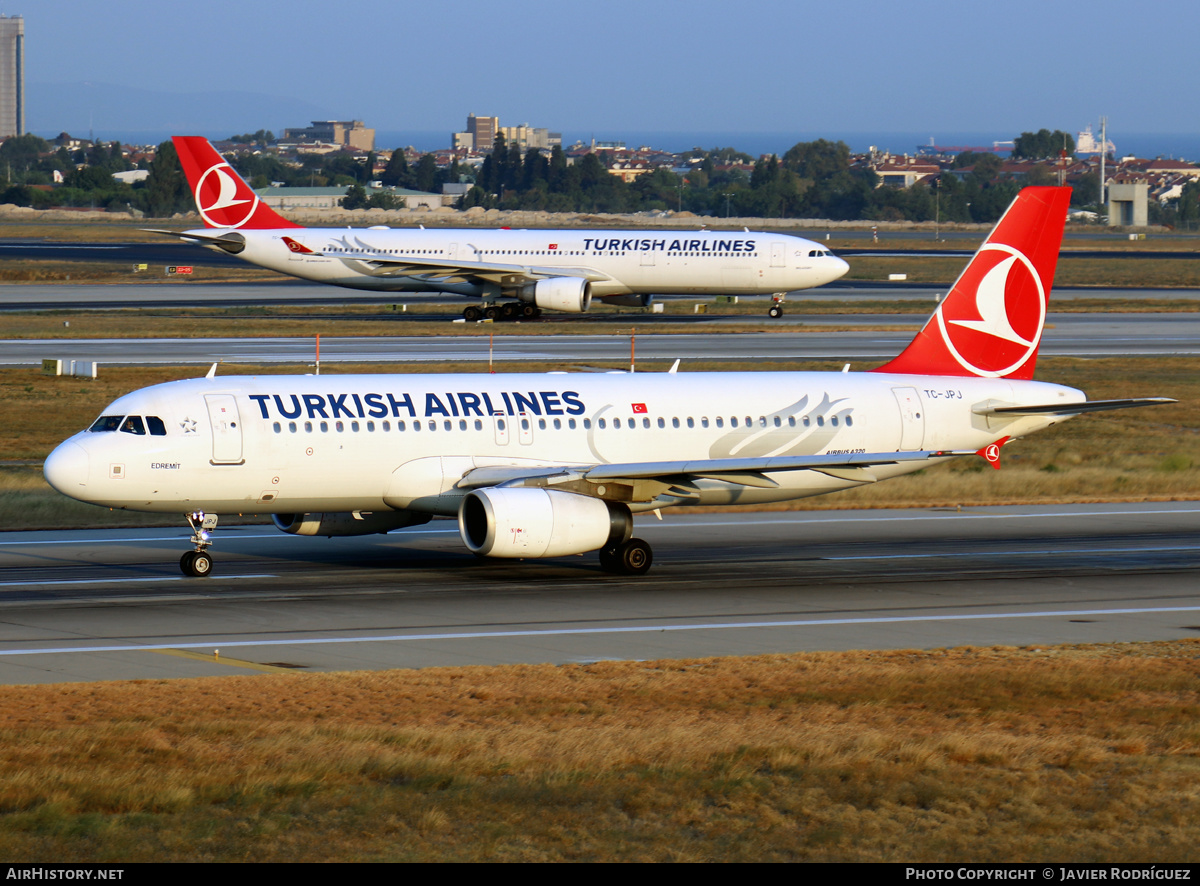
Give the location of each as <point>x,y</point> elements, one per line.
<point>133,425</point>
<point>106,423</point>
<point>157,428</point>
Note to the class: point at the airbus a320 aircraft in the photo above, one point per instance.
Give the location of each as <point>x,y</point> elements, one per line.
<point>556,464</point>
<point>515,273</point>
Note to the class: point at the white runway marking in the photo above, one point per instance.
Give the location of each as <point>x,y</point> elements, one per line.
<point>639,629</point>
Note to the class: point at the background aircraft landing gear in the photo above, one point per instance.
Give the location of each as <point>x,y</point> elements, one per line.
<point>472,314</point>
<point>198,563</point>
<point>632,557</point>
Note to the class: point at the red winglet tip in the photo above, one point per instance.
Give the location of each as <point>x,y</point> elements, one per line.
<point>991,452</point>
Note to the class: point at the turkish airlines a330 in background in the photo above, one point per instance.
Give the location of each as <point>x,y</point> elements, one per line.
<point>556,464</point>
<point>516,273</point>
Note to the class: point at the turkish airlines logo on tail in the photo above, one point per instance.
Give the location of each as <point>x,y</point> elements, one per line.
<point>224,200</point>
<point>992,321</point>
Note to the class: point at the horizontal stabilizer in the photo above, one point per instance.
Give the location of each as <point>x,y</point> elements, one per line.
<point>1073,408</point>
<point>231,242</point>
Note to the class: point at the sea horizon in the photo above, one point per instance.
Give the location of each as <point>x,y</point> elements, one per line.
<point>1180,146</point>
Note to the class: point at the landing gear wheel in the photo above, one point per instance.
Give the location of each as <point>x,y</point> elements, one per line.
<point>529,312</point>
<point>491,312</point>
<point>197,564</point>
<point>629,558</point>
<point>775,312</point>
<point>510,310</point>
<point>202,564</point>
<point>472,314</point>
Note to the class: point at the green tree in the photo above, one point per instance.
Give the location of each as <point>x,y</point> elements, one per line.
<point>396,174</point>
<point>356,198</point>
<point>1042,145</point>
<point>427,174</point>
<point>165,191</point>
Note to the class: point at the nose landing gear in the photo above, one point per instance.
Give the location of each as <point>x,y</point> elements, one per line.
<point>198,563</point>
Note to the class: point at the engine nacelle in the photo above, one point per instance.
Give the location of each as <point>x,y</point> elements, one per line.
<point>570,294</point>
<point>349,523</point>
<point>534,522</point>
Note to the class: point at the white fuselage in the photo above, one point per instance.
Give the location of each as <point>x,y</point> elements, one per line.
<point>624,262</point>
<point>281,444</point>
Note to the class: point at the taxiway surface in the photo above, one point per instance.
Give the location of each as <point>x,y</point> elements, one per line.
<point>1079,335</point>
<point>111,604</point>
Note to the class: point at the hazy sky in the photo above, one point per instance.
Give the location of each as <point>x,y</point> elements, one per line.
<point>733,65</point>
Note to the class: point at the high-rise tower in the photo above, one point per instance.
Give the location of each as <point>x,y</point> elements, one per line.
<point>12,75</point>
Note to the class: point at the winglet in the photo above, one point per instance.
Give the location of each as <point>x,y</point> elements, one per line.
<point>991,452</point>
<point>293,246</point>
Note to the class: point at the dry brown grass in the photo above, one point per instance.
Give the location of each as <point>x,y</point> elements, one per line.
<point>993,754</point>
<point>37,271</point>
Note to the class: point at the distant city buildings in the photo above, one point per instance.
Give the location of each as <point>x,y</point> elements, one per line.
<point>480,136</point>
<point>342,133</point>
<point>12,76</point>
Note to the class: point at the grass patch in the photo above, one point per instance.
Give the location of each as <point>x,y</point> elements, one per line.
<point>1081,754</point>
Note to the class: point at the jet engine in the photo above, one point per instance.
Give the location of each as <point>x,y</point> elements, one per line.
<point>570,294</point>
<point>349,523</point>
<point>534,522</point>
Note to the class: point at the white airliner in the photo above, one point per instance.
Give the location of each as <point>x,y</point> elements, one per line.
<point>556,464</point>
<point>516,273</point>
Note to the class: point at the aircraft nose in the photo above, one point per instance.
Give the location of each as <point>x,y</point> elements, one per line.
<point>838,268</point>
<point>66,468</point>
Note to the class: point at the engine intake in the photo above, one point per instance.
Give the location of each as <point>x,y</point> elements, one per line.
<point>534,522</point>
<point>570,294</point>
<point>348,523</point>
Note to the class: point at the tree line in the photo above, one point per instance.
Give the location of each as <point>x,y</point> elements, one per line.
<point>810,180</point>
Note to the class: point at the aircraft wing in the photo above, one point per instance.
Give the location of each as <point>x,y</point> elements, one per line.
<point>453,270</point>
<point>743,471</point>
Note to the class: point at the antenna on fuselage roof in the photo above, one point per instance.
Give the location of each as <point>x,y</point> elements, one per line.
<point>674,367</point>
<point>212,371</point>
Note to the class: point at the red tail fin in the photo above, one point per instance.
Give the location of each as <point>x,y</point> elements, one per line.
<point>223,199</point>
<point>990,323</point>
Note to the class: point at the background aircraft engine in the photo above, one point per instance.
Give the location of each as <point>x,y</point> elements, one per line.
<point>570,294</point>
<point>527,522</point>
<point>349,523</point>
<point>639,300</point>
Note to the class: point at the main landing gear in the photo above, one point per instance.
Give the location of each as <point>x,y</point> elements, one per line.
<point>632,557</point>
<point>198,563</point>
<point>500,312</point>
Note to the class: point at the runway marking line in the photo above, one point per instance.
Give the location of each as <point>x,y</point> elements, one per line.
<point>639,629</point>
<point>231,662</point>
